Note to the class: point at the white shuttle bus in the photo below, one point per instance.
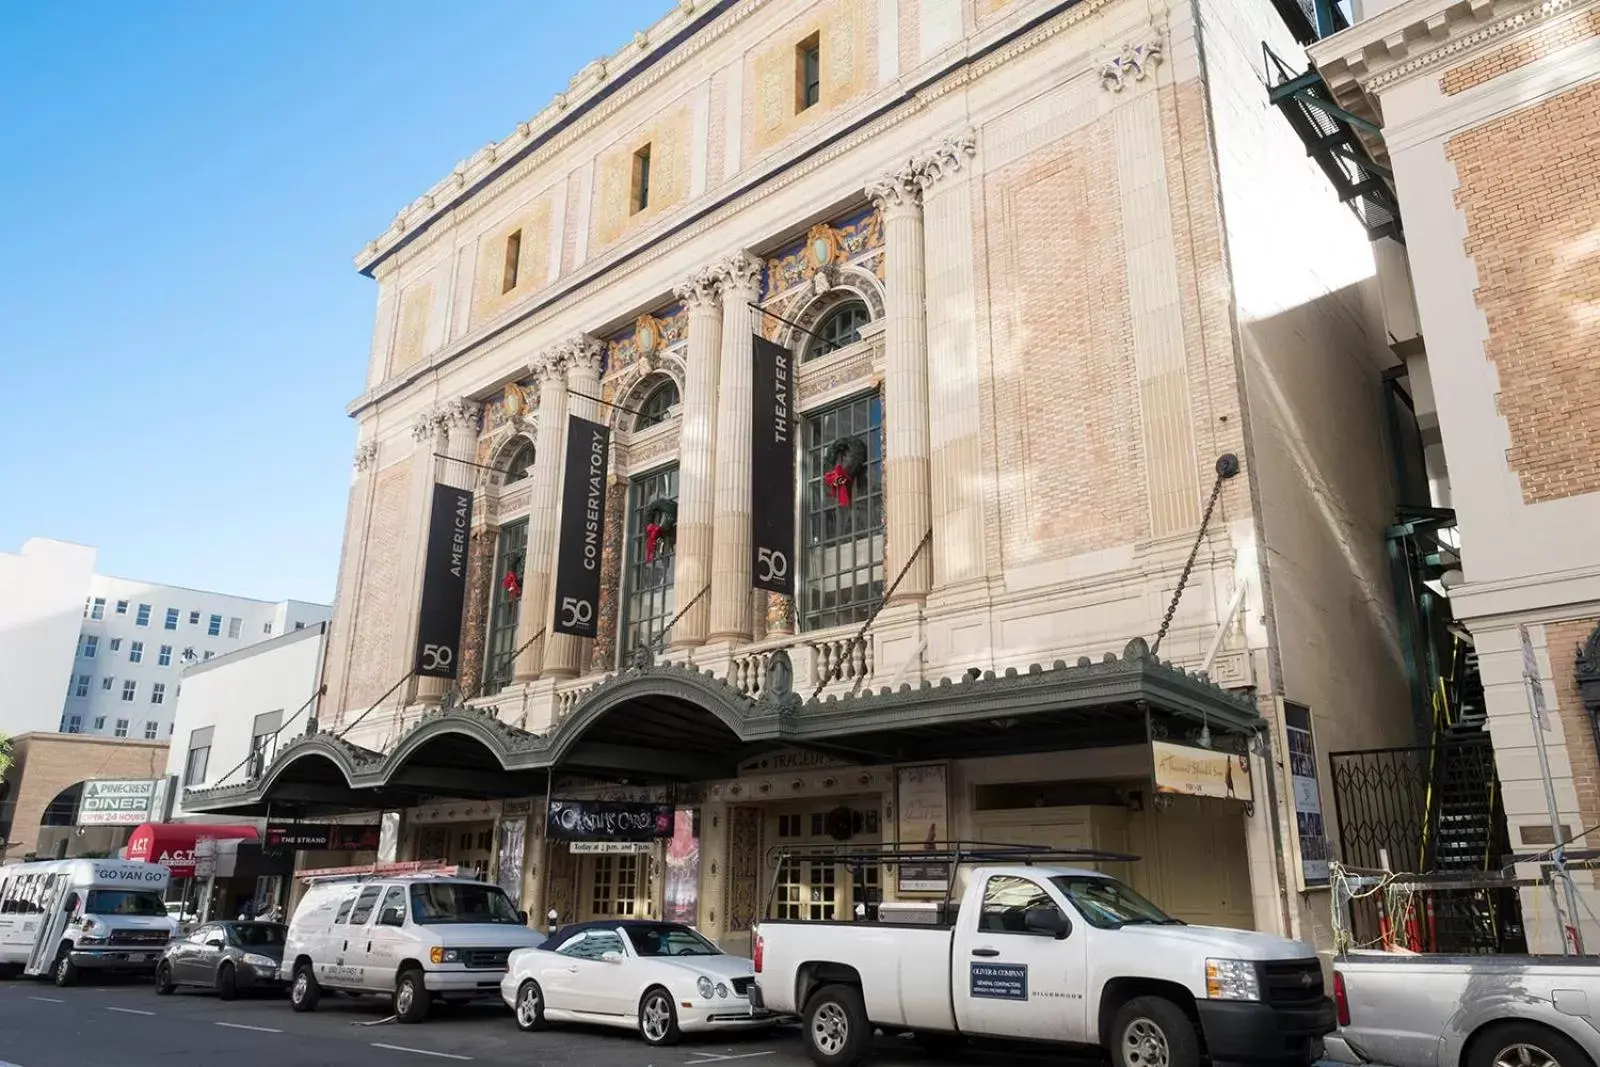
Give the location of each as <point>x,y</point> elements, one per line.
<point>61,917</point>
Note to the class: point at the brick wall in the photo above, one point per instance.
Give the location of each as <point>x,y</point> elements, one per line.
<point>377,622</point>
<point>1534,47</point>
<point>416,306</point>
<point>1530,191</point>
<point>46,764</point>
<point>1562,640</point>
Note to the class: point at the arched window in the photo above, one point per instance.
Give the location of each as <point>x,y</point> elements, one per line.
<point>657,405</point>
<point>838,328</point>
<point>520,462</point>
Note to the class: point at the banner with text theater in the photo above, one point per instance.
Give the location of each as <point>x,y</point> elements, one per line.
<point>583,525</point>
<point>444,583</point>
<point>772,501</point>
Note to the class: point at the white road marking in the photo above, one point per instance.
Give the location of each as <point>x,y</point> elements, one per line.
<point>712,1057</point>
<point>131,1011</point>
<point>258,1029</point>
<point>420,1051</point>
<point>47,1000</point>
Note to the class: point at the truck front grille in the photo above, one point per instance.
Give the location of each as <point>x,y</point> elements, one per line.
<point>1291,982</point>
<point>485,959</point>
<point>138,937</point>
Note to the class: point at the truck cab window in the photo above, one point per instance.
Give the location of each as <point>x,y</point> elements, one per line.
<point>1007,901</point>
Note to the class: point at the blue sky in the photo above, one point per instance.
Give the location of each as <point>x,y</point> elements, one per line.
<point>180,323</point>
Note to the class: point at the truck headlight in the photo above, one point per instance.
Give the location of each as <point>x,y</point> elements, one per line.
<point>1232,980</point>
<point>444,955</point>
<point>706,987</point>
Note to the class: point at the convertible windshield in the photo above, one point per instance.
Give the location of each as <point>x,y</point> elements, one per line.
<point>669,940</point>
<point>458,902</point>
<point>1109,904</point>
<point>124,902</point>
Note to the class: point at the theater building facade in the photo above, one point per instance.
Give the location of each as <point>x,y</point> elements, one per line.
<point>1086,467</point>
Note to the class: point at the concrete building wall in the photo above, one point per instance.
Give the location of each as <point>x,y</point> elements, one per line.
<point>42,592</point>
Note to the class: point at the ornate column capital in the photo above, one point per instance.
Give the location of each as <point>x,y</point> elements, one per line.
<point>946,158</point>
<point>455,415</point>
<point>900,190</point>
<point>1137,61</point>
<point>549,365</point>
<point>583,351</point>
<point>703,289</point>
<point>426,429</point>
<point>366,456</point>
<point>740,270</point>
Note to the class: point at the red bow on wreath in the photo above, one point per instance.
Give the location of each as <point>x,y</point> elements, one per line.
<point>846,462</point>
<point>652,534</point>
<point>512,585</point>
<point>661,525</point>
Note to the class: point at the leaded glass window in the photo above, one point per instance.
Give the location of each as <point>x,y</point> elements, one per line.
<point>505,604</point>
<point>649,603</point>
<point>842,569</point>
<point>839,328</point>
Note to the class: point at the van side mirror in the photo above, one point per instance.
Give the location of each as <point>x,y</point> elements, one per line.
<point>1047,921</point>
<point>392,917</point>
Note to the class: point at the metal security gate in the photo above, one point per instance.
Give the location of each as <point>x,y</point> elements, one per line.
<point>1430,810</point>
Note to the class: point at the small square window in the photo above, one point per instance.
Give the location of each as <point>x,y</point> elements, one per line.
<point>107,682</point>
<point>122,607</point>
<point>172,619</point>
<point>808,73</point>
<point>508,274</point>
<point>214,627</point>
<point>207,656</point>
<point>81,689</point>
<point>158,693</point>
<point>234,627</point>
<point>143,618</point>
<point>98,610</point>
<point>122,728</point>
<point>116,644</point>
<point>266,628</point>
<point>150,729</point>
<point>299,626</point>
<point>639,196</point>
<point>91,644</point>
<point>99,723</point>
<point>136,652</point>
<point>164,658</point>
<point>130,689</point>
<point>74,724</point>
<point>194,618</point>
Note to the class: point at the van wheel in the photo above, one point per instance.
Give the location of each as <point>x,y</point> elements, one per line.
<point>836,1027</point>
<point>530,1007</point>
<point>304,991</point>
<point>1519,1043</point>
<point>227,982</point>
<point>65,972</point>
<point>164,983</point>
<point>411,997</point>
<point>1153,1032</point>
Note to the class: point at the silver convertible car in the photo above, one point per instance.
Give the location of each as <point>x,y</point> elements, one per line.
<point>662,979</point>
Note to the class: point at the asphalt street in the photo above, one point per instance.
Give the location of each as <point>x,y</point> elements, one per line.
<point>125,1024</point>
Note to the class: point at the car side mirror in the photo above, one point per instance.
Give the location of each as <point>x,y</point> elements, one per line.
<point>1047,921</point>
<point>611,957</point>
<point>522,917</point>
<point>391,917</point>
<point>216,942</point>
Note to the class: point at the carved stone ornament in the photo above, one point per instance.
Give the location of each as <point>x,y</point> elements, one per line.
<point>701,290</point>
<point>457,415</point>
<point>1136,61</point>
<point>740,271</point>
<point>583,351</point>
<point>550,365</point>
<point>425,429</point>
<point>898,191</point>
<point>514,403</point>
<point>366,455</point>
<point>947,158</point>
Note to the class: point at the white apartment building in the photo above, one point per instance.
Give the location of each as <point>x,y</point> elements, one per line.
<point>40,591</point>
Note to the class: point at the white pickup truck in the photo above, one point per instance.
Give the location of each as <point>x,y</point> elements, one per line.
<point>1038,952</point>
<point>1406,1010</point>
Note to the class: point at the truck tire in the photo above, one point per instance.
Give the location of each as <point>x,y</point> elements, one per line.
<point>411,997</point>
<point>1521,1042</point>
<point>303,990</point>
<point>64,972</point>
<point>1153,1032</point>
<point>836,1027</point>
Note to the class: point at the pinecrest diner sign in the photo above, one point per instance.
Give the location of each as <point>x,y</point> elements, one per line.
<point>116,803</point>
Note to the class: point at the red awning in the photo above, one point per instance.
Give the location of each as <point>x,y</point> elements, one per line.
<point>172,843</point>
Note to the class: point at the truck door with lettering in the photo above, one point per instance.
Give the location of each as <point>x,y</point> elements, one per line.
<point>1020,967</point>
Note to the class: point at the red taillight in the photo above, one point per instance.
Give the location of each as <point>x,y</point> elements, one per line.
<point>758,953</point>
<point>1341,1000</point>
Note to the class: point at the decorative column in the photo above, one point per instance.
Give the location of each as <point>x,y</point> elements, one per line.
<point>955,454</point>
<point>730,551</point>
<point>907,507</point>
<point>567,654</point>
<point>539,565</point>
<point>457,424</point>
<point>697,456</point>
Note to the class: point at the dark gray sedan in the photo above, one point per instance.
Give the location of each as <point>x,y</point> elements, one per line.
<point>230,957</point>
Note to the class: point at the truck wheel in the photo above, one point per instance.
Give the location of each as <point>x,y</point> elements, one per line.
<point>1153,1032</point>
<point>411,997</point>
<point>1524,1044</point>
<point>836,1027</point>
<point>304,991</point>
<point>65,972</point>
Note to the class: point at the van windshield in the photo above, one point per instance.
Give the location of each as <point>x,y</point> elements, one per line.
<point>124,902</point>
<point>459,902</point>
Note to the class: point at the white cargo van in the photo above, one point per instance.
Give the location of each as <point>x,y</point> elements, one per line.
<point>413,936</point>
<point>60,917</point>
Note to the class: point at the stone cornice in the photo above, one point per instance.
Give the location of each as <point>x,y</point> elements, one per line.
<point>1416,37</point>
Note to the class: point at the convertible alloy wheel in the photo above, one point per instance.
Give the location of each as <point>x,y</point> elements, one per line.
<point>658,1019</point>
<point>530,1006</point>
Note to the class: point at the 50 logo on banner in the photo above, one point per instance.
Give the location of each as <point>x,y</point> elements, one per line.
<point>771,565</point>
<point>437,657</point>
<point>575,612</point>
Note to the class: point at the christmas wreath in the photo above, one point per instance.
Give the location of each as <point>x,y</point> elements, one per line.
<point>838,823</point>
<point>661,524</point>
<point>512,585</point>
<point>845,463</point>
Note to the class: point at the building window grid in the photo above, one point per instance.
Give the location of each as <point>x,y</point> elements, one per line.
<point>107,682</point>
<point>150,729</point>
<point>171,622</point>
<point>214,626</point>
<point>808,72</point>
<point>99,723</point>
<point>74,724</point>
<point>91,644</point>
<point>158,693</point>
<point>657,405</point>
<point>639,197</point>
<point>649,602</point>
<point>122,607</point>
<point>98,611</point>
<point>136,652</point>
<point>842,577</point>
<point>122,728</point>
<point>82,687</point>
<point>116,644</point>
<point>840,328</point>
<point>235,627</point>
<point>194,618</point>
<point>164,657</point>
<point>511,552</point>
<point>143,617</point>
<point>130,689</point>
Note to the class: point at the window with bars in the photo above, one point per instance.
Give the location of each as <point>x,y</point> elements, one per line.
<point>510,554</point>
<point>839,328</point>
<point>841,578</point>
<point>656,406</point>
<point>649,603</point>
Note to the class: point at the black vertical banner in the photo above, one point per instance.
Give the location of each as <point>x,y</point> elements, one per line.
<point>444,583</point>
<point>583,527</point>
<point>772,500</point>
